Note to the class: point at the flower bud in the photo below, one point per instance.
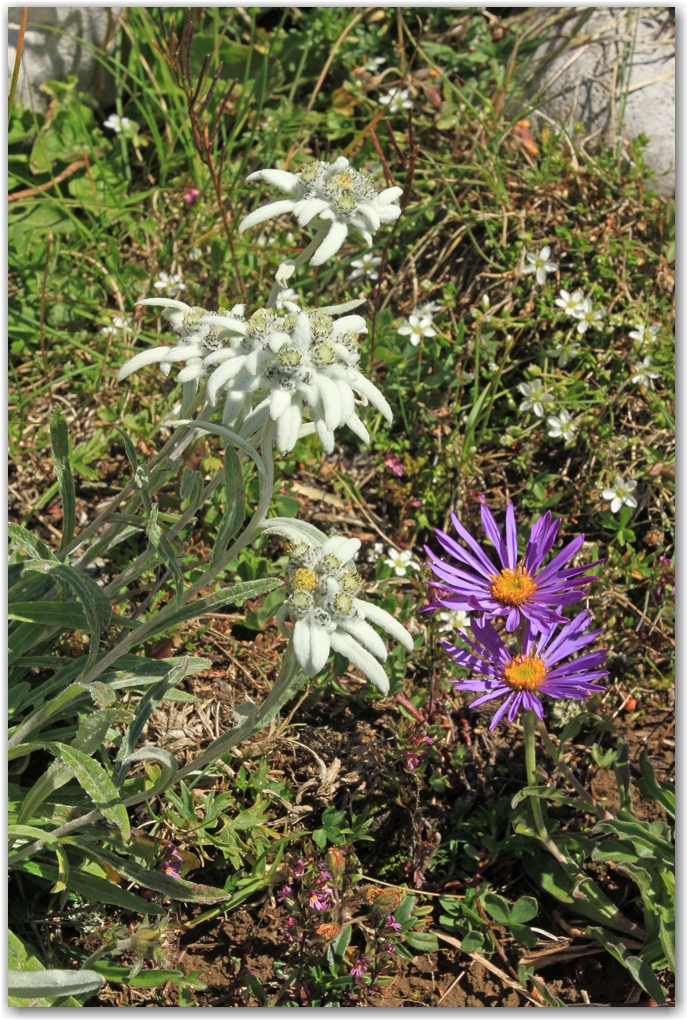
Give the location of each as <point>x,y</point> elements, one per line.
<point>336,861</point>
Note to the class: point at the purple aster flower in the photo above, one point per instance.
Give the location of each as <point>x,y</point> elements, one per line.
<point>538,669</point>
<point>514,589</point>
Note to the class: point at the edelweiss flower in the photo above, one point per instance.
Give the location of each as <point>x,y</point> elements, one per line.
<point>401,562</point>
<point>304,359</point>
<point>536,397</point>
<point>643,373</point>
<point>397,101</point>
<point>540,264</point>
<point>416,328</point>
<point>561,427</point>
<point>620,493</point>
<point>197,340</point>
<point>366,267</point>
<point>170,284</point>
<point>327,616</point>
<point>536,670</point>
<point>333,194</point>
<point>570,302</point>
<point>517,590</point>
<point>587,316</point>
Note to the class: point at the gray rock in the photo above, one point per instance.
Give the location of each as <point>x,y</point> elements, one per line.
<point>54,48</point>
<point>616,78</point>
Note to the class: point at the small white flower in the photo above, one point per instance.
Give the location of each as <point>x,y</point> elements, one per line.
<point>570,302</point>
<point>429,310</point>
<point>121,125</point>
<point>587,316</point>
<point>642,333</point>
<point>416,328</point>
<point>324,193</point>
<point>327,615</point>
<point>287,299</point>
<point>120,323</point>
<point>561,427</point>
<point>456,619</point>
<point>535,397</point>
<point>564,352</point>
<point>263,239</point>
<point>620,493</point>
<point>540,264</point>
<point>375,552</point>
<point>397,101</point>
<point>195,254</point>
<point>401,562</point>
<point>375,63</point>
<point>171,285</point>
<point>366,266</point>
<point>643,373</point>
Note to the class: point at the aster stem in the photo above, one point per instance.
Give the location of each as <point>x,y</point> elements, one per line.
<point>528,720</point>
<point>555,753</point>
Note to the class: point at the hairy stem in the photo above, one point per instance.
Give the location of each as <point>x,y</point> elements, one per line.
<point>531,770</point>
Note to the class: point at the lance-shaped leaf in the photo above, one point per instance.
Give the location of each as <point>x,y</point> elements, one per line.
<point>59,439</point>
<point>224,597</point>
<point>235,510</point>
<point>51,614</point>
<point>295,531</point>
<point>168,770</point>
<point>50,984</point>
<point>98,785</point>
<point>146,705</point>
<point>28,543</point>
<point>92,887</point>
<point>163,547</point>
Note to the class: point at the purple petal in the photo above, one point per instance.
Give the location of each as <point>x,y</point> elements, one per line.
<point>511,537</point>
<point>516,706</point>
<point>499,713</point>
<point>513,620</point>
<point>493,534</point>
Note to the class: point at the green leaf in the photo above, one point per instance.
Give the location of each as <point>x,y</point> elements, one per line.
<point>98,785</point>
<point>662,793</point>
<point>523,910</point>
<point>163,547</point>
<point>422,941</point>
<point>404,910</point>
<point>497,907</point>
<point>62,882</point>
<point>191,486</point>
<point>92,887</point>
<point>337,948</point>
<point>548,793</point>
<point>522,934</point>
<point>144,978</point>
<point>21,959</point>
<point>32,832</point>
<point>226,596</point>
<point>28,543</point>
<point>638,968</point>
<point>59,438</point>
<point>169,768</point>
<point>49,614</point>
<point>473,942</point>
<point>146,706</point>
<point>52,983</point>
<point>235,510</point>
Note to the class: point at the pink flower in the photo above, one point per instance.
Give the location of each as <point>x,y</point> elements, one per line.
<point>416,502</point>
<point>395,465</point>
<point>283,893</point>
<point>191,196</point>
<point>290,923</point>
<point>358,969</point>
<point>171,862</point>
<point>391,922</point>
<point>389,947</point>
<point>299,868</point>
<point>318,900</point>
<point>412,761</point>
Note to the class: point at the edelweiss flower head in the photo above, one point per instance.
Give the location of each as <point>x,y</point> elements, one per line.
<point>518,589</point>
<point>196,340</point>
<point>540,264</point>
<point>620,493</point>
<point>536,670</point>
<point>535,396</point>
<point>333,194</point>
<point>327,615</point>
<point>294,361</point>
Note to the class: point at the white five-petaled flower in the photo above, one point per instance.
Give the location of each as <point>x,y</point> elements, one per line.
<point>287,299</point>
<point>397,101</point>
<point>327,615</point>
<point>401,562</point>
<point>643,373</point>
<point>456,619</point>
<point>587,316</point>
<point>570,302</point>
<point>121,125</point>
<point>324,193</point>
<point>416,328</point>
<point>171,285</point>
<point>429,309</point>
<point>195,254</point>
<point>540,264</point>
<point>561,426</point>
<point>375,552</point>
<point>366,266</point>
<point>535,397</point>
<point>375,62</point>
<point>620,493</point>
<point>643,333</point>
<point>120,323</point>
<point>286,363</point>
<point>564,352</point>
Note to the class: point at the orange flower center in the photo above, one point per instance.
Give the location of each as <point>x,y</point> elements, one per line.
<point>512,586</point>
<point>304,579</point>
<point>525,672</point>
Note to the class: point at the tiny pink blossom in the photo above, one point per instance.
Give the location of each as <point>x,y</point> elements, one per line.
<point>299,868</point>
<point>318,901</point>
<point>191,196</point>
<point>358,969</point>
<point>391,922</point>
<point>412,761</point>
<point>283,893</point>
<point>395,465</point>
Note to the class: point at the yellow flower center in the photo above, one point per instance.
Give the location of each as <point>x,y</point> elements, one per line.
<point>304,579</point>
<point>512,586</point>
<point>525,672</point>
